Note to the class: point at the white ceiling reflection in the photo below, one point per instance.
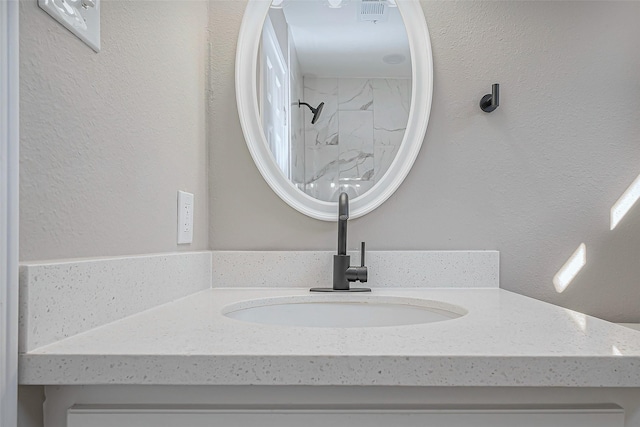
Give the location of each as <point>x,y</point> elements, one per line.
<point>343,41</point>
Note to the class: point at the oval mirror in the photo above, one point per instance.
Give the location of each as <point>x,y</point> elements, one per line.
<point>333,96</point>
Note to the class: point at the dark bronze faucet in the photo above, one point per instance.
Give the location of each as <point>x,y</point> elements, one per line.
<point>343,272</point>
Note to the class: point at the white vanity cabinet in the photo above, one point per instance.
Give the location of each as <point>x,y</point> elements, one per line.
<point>339,406</point>
<point>594,416</point>
<point>510,361</point>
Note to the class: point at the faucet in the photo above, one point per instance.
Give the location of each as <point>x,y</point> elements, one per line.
<point>343,272</point>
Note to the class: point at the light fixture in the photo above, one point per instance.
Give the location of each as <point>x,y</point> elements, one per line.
<point>276,4</point>
<point>394,59</point>
<point>334,4</point>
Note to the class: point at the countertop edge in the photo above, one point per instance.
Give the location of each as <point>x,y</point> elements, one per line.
<point>441,371</point>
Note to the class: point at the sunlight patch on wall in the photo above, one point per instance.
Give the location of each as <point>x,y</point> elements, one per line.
<point>570,269</point>
<point>625,202</point>
<point>615,351</point>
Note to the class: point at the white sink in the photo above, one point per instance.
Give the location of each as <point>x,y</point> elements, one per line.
<point>342,311</point>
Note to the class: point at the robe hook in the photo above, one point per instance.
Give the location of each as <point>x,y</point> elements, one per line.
<point>490,101</point>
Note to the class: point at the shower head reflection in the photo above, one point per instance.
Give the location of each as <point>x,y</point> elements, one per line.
<point>315,111</point>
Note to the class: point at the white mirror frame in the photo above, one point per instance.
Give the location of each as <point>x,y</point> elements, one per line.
<point>246,94</point>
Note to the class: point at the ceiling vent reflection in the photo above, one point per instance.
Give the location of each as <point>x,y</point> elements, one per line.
<point>625,202</point>
<point>570,269</point>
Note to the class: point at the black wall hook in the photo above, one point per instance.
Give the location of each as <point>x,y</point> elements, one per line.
<point>490,101</point>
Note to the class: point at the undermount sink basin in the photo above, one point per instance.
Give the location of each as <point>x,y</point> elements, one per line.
<point>343,311</point>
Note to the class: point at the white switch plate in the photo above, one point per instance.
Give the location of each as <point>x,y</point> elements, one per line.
<point>185,217</point>
<point>81,17</point>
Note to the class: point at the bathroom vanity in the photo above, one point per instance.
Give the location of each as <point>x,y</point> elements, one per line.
<point>176,357</point>
<point>150,340</point>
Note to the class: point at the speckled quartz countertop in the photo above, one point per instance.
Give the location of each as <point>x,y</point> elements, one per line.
<point>504,340</point>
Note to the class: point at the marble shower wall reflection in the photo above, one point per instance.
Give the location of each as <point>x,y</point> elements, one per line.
<point>357,136</point>
<point>296,125</point>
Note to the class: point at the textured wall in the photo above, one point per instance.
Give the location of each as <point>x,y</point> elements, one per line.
<point>107,139</point>
<point>534,179</point>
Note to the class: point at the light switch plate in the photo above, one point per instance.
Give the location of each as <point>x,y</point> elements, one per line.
<point>81,17</point>
<point>185,217</point>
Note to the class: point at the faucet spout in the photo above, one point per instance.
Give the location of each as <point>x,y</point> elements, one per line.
<point>343,216</point>
<point>343,272</point>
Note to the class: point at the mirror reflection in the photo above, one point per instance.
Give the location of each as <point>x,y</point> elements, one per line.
<point>334,92</point>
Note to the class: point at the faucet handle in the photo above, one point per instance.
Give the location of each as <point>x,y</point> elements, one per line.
<point>357,274</point>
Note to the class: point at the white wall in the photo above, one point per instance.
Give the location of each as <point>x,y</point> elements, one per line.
<point>107,139</point>
<point>534,179</point>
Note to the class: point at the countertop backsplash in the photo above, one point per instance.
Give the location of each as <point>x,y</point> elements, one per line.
<point>61,298</point>
<point>397,269</point>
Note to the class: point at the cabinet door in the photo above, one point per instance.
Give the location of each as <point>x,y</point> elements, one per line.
<point>163,416</point>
